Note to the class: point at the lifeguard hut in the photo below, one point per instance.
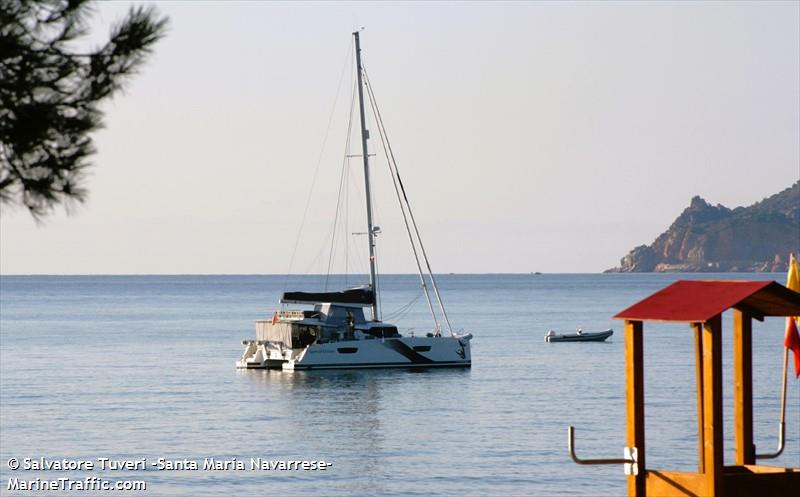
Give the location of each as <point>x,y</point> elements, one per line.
<point>701,304</point>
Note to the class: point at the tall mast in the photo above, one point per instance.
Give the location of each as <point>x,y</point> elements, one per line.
<point>365,154</point>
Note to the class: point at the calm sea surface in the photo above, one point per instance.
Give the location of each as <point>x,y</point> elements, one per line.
<point>131,367</point>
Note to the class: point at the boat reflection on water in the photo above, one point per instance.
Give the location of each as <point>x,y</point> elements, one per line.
<point>375,414</point>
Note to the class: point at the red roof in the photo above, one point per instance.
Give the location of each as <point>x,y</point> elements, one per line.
<point>699,301</point>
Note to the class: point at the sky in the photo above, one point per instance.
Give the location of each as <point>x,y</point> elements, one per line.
<point>531,136</point>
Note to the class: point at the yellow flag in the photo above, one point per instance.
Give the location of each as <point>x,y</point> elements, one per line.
<point>792,338</point>
<point>793,278</point>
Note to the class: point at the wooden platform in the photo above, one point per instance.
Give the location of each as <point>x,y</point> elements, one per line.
<point>701,304</point>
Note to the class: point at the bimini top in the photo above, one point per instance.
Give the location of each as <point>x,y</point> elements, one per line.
<point>354,296</point>
<point>699,301</point>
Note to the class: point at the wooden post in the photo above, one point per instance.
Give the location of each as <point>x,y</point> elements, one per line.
<point>712,405</point>
<point>743,387</point>
<point>634,399</point>
<point>698,366</point>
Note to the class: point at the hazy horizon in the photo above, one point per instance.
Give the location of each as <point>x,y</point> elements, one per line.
<point>542,136</point>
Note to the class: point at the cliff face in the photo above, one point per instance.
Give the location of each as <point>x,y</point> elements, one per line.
<point>714,238</point>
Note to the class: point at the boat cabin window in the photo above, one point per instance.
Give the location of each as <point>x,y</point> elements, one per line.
<point>341,313</point>
<point>382,331</point>
<point>330,334</point>
<point>303,335</point>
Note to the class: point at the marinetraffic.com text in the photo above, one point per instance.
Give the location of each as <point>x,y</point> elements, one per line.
<point>26,482</point>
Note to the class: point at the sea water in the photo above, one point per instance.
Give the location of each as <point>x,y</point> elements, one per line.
<point>141,368</point>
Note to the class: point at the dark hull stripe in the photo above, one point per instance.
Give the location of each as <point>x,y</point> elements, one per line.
<point>407,352</point>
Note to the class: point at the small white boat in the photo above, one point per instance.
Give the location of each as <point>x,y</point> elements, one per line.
<point>578,336</point>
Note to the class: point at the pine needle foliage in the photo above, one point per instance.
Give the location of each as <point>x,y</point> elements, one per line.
<point>50,92</point>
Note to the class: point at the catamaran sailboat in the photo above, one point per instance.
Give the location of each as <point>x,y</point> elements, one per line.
<point>336,333</point>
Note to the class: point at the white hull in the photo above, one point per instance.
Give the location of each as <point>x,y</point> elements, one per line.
<point>401,352</point>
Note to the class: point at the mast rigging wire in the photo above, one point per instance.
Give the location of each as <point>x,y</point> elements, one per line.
<point>342,180</point>
<point>396,173</point>
<point>423,285</point>
<point>402,311</point>
<point>347,63</point>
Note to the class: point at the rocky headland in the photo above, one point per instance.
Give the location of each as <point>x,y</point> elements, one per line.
<point>714,238</point>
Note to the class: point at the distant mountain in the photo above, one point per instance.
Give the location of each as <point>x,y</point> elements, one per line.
<point>708,238</point>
